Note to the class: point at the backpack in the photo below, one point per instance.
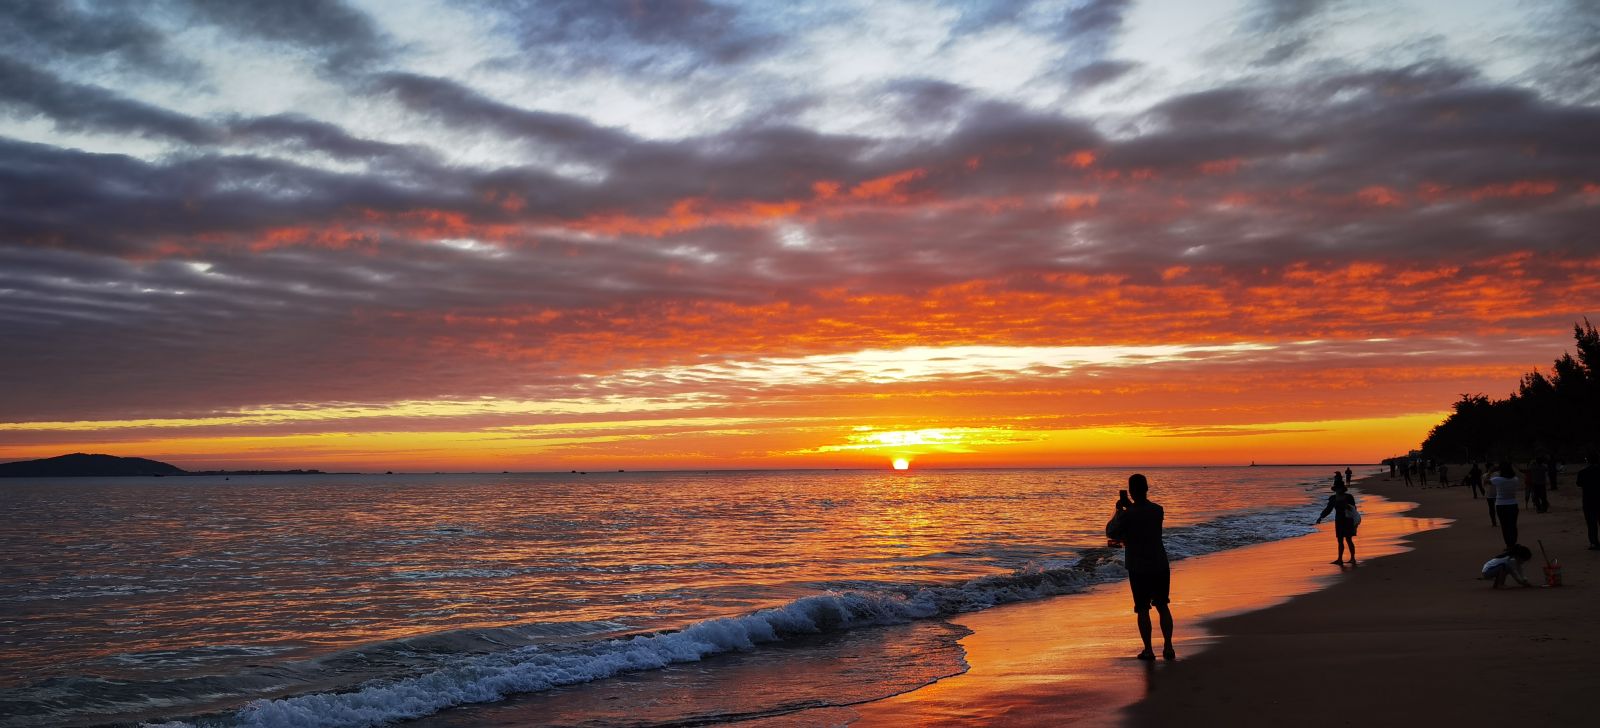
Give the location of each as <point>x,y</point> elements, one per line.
<point>1355,513</point>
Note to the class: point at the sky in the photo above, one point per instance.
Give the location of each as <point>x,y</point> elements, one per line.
<point>586,234</point>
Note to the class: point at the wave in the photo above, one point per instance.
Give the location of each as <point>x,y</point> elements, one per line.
<point>42,703</point>
<point>486,678</point>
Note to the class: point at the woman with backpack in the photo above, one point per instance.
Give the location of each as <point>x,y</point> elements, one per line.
<point>1345,520</point>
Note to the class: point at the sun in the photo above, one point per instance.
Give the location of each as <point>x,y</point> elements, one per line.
<point>902,464</point>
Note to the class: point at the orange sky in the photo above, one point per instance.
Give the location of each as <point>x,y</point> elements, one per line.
<point>1185,368</point>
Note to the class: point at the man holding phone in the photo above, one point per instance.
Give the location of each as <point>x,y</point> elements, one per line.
<point>1137,524</point>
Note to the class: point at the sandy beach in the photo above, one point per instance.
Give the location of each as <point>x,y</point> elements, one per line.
<point>1409,635</point>
<point>1275,635</point>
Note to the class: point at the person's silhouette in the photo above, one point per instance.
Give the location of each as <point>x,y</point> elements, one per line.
<point>1535,493</point>
<point>1589,483</point>
<point>1504,488</point>
<point>1343,506</point>
<point>1137,524</point>
<point>1508,563</point>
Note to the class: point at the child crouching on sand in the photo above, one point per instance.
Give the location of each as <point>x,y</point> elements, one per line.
<point>1508,563</point>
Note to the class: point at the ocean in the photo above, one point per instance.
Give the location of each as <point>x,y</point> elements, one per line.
<point>665,598</point>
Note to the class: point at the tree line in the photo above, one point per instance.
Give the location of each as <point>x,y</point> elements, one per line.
<point>1555,414</point>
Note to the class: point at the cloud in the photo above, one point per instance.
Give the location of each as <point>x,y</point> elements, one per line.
<point>1087,32</point>
<point>1094,21</point>
<point>27,90</point>
<point>1279,15</point>
<point>927,99</point>
<point>342,36</point>
<point>430,231</point>
<point>304,132</point>
<point>673,37</point>
<point>1100,73</point>
<point>108,35</point>
<point>564,134</point>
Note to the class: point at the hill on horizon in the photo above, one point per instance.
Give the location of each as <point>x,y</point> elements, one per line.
<point>82,465</point>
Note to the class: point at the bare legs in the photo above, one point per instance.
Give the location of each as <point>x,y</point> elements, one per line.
<point>1149,653</point>
<point>1167,652</point>
<point>1342,540</point>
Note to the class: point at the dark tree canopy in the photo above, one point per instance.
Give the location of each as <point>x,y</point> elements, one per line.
<point>1555,414</point>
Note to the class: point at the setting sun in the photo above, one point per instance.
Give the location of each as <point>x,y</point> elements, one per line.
<point>902,464</point>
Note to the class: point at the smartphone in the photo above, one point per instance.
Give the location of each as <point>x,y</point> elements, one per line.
<point>1122,494</point>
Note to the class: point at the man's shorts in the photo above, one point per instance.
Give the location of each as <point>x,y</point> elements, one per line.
<point>1150,587</point>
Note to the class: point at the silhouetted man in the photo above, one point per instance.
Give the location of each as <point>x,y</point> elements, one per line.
<point>1349,477</point>
<point>1137,524</point>
<point>1589,482</point>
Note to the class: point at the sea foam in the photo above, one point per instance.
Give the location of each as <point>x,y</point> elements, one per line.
<point>493,677</point>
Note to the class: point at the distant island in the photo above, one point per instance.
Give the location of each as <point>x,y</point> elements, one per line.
<point>81,465</point>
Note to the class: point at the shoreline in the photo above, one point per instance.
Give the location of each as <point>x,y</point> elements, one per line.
<point>1412,634</point>
<point>1272,634</point>
<point>1069,659</point>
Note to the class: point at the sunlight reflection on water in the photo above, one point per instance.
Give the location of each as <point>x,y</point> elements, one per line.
<point>139,579</point>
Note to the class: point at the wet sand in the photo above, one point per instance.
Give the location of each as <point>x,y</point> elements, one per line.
<point>1274,635</point>
<point>1410,636</point>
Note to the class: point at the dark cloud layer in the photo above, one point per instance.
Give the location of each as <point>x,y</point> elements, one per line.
<point>669,38</point>
<point>27,90</point>
<point>114,31</point>
<point>460,106</point>
<point>1095,19</point>
<point>286,257</point>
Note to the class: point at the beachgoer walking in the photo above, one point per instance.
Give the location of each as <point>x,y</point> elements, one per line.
<point>1405,470</point>
<point>1422,473</point>
<point>1508,563</point>
<point>1475,480</point>
<point>1504,487</point>
<point>1589,482</point>
<point>1137,524</point>
<point>1536,494</point>
<point>1444,475</point>
<point>1345,520</point>
<point>1349,477</point>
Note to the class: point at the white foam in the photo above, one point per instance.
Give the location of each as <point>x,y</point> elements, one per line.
<point>493,677</point>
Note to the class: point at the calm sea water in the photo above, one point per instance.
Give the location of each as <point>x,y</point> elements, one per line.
<point>357,600</point>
